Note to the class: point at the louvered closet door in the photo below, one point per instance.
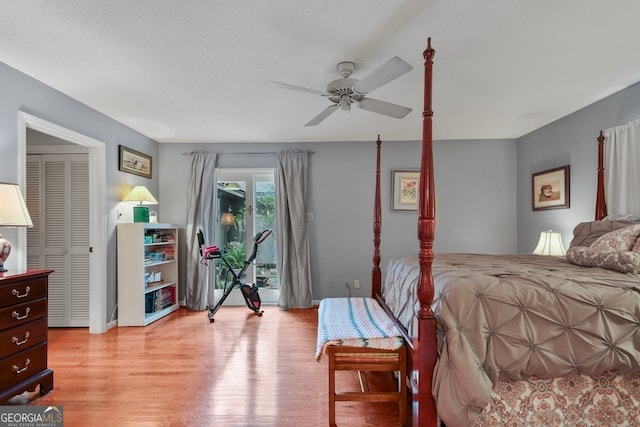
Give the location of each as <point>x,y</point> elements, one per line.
<point>58,198</point>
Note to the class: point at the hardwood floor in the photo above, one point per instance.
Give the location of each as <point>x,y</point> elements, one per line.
<point>241,370</point>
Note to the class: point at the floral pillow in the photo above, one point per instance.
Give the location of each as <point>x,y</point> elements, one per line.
<point>622,239</point>
<point>622,261</point>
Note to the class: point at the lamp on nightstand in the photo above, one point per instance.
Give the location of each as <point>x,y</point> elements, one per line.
<point>142,196</point>
<point>550,243</point>
<point>13,213</point>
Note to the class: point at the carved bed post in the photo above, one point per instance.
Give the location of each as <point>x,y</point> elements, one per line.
<point>376,276</point>
<point>601,203</point>
<point>424,408</point>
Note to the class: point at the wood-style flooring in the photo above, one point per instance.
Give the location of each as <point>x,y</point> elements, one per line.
<point>241,370</point>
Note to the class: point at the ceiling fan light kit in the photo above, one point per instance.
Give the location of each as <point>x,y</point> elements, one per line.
<point>345,91</point>
<point>346,68</point>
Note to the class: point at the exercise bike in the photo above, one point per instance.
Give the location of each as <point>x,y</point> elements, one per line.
<point>249,292</point>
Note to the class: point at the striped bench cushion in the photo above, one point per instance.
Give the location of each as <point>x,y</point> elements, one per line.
<point>355,322</point>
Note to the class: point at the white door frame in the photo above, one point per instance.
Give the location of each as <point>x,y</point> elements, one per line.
<point>97,209</point>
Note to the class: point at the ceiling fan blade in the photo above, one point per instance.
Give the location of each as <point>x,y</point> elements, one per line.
<point>385,108</point>
<point>390,70</point>
<point>325,113</point>
<point>298,88</point>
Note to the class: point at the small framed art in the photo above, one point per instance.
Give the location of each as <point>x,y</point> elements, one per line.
<point>404,190</point>
<point>550,189</point>
<point>135,162</point>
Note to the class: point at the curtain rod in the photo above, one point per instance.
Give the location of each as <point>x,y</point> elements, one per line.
<point>254,152</point>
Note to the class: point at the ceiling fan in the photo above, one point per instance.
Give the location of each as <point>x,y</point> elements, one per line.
<point>346,91</point>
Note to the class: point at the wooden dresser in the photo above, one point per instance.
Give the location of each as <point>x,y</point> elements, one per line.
<point>23,333</point>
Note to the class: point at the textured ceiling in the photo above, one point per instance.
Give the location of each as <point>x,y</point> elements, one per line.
<point>196,70</point>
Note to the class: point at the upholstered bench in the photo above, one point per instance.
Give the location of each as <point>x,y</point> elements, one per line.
<point>357,335</point>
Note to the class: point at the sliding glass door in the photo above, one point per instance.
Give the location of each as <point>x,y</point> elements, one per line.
<point>246,206</point>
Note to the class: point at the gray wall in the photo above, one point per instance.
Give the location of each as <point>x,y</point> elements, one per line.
<point>570,140</point>
<point>483,186</point>
<point>22,93</point>
<point>475,183</point>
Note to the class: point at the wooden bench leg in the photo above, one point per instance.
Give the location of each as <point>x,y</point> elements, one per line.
<point>332,389</point>
<point>367,359</point>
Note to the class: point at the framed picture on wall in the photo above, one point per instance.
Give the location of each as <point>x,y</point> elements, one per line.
<point>404,190</point>
<point>135,162</point>
<point>550,189</point>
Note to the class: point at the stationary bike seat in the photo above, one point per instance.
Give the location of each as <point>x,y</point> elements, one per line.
<point>212,252</point>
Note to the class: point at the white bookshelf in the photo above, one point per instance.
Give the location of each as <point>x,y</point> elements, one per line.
<point>147,272</point>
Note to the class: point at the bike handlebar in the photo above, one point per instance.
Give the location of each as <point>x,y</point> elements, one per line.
<point>262,235</point>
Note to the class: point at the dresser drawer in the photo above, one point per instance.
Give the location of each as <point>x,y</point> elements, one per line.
<point>22,337</point>
<point>19,314</point>
<point>23,290</point>
<point>21,366</point>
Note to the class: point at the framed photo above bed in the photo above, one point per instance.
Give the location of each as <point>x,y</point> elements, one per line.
<point>404,190</point>
<point>550,189</point>
<point>135,162</point>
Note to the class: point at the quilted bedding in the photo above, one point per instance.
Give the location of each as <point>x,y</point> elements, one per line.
<point>507,317</point>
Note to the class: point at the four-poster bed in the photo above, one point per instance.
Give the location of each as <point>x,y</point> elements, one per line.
<point>481,327</point>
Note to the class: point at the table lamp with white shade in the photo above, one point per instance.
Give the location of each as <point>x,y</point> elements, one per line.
<point>550,243</point>
<point>13,213</point>
<point>141,196</point>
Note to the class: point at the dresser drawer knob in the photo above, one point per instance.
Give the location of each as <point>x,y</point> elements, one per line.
<point>16,341</point>
<point>26,314</point>
<point>17,293</point>
<point>24,368</point>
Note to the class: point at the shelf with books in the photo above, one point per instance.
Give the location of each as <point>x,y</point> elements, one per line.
<point>147,272</point>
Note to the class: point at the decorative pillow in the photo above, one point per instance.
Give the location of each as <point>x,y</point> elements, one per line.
<point>622,239</point>
<point>622,261</point>
<point>623,217</point>
<point>636,247</point>
<point>585,233</point>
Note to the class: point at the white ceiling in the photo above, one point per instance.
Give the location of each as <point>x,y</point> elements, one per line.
<point>196,70</point>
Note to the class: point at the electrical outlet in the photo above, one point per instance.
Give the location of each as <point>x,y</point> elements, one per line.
<point>356,284</point>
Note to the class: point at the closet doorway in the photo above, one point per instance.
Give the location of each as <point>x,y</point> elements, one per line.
<point>97,264</point>
<point>246,205</point>
<point>58,201</point>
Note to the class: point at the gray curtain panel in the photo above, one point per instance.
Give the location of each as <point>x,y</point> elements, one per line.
<point>201,210</point>
<point>292,260</point>
<point>622,168</point>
